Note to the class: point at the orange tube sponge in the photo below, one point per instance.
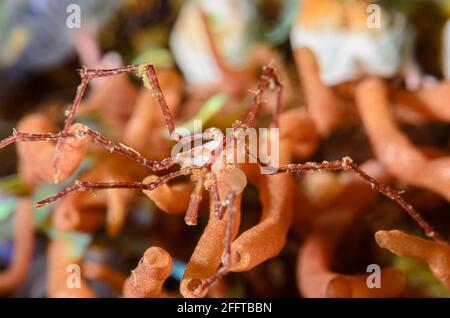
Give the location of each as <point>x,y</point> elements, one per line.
<point>164,195</point>
<point>147,278</point>
<point>431,101</point>
<point>321,101</point>
<point>207,256</point>
<point>146,121</point>
<point>316,279</point>
<point>35,158</point>
<point>266,239</point>
<point>17,271</point>
<point>79,212</point>
<point>314,275</point>
<point>392,148</point>
<point>98,271</point>
<point>297,126</point>
<point>435,254</point>
<point>60,264</point>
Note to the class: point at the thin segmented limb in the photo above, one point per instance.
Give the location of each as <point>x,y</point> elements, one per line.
<point>229,202</point>
<point>16,273</point>
<point>315,275</point>
<point>207,256</point>
<point>194,203</point>
<point>89,186</point>
<point>266,239</point>
<point>146,71</point>
<point>346,164</point>
<point>146,120</point>
<point>268,80</point>
<point>218,211</point>
<point>97,138</point>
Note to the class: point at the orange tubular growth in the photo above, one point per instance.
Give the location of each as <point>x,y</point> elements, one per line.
<point>164,196</point>
<point>267,238</point>
<point>35,158</point>
<point>98,271</point>
<point>391,146</point>
<point>63,274</point>
<point>207,256</point>
<point>146,121</point>
<point>147,279</point>
<point>322,103</point>
<point>79,212</point>
<point>17,271</point>
<point>316,279</point>
<point>431,102</point>
<point>435,254</point>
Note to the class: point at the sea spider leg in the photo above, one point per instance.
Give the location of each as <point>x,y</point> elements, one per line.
<point>347,163</point>
<point>97,138</point>
<point>147,71</point>
<point>196,197</point>
<point>268,80</point>
<point>89,185</point>
<point>218,210</point>
<point>226,261</point>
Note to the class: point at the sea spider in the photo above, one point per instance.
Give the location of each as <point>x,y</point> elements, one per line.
<point>203,162</point>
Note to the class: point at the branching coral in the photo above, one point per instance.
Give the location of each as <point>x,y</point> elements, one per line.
<point>16,273</point>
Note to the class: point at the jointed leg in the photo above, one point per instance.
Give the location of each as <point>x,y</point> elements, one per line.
<point>268,80</point>
<point>346,164</point>
<point>96,138</point>
<point>196,197</point>
<point>150,80</point>
<point>215,192</point>
<point>229,205</point>
<point>89,185</point>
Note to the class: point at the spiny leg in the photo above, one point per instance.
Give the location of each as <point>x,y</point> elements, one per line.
<point>196,197</point>
<point>89,185</point>
<point>216,196</point>
<point>267,81</point>
<point>97,138</point>
<point>347,163</point>
<point>150,80</point>
<point>229,202</point>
